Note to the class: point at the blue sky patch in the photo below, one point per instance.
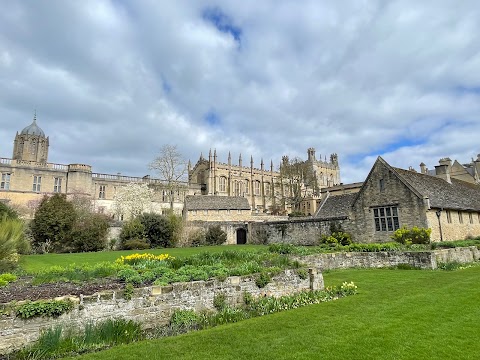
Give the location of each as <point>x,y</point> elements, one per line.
<point>167,88</point>
<point>212,118</point>
<point>222,22</point>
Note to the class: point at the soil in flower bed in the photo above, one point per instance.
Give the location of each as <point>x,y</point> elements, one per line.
<point>22,289</point>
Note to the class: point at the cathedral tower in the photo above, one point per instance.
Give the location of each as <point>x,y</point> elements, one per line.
<point>31,144</point>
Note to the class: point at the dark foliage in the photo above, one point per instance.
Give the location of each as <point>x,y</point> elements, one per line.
<point>158,230</point>
<point>90,233</point>
<point>53,223</point>
<point>215,235</point>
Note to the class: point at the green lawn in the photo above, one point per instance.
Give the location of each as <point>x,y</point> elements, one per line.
<point>397,314</point>
<point>33,263</point>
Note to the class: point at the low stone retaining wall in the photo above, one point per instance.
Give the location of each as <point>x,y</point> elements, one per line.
<point>422,260</point>
<point>152,306</point>
<point>461,255</point>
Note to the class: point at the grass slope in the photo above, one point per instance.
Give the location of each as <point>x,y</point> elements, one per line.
<point>32,263</point>
<point>396,315</point>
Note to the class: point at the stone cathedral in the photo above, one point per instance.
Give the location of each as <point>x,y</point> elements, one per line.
<point>262,186</point>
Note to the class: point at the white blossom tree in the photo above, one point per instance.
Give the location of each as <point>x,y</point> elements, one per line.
<point>133,199</point>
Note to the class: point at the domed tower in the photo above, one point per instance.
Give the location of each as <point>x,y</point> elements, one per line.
<point>31,144</point>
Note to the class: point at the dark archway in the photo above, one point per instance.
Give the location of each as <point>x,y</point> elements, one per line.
<point>241,236</point>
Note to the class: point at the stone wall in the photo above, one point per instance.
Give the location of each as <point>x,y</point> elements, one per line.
<point>461,255</point>
<point>152,306</point>
<point>422,260</point>
<point>304,231</point>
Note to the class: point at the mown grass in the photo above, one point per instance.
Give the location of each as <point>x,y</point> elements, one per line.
<point>395,315</point>
<point>33,263</point>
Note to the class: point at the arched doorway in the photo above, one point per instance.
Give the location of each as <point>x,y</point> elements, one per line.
<point>241,236</point>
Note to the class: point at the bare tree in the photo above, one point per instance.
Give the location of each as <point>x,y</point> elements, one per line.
<point>172,170</point>
<point>299,178</point>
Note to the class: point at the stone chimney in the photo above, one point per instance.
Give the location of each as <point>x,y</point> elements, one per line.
<point>423,168</point>
<point>445,161</point>
<point>443,171</point>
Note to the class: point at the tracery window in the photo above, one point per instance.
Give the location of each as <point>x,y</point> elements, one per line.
<point>222,184</point>
<point>238,188</point>
<point>267,189</point>
<point>256,187</point>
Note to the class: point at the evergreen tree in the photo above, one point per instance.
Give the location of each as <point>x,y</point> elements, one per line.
<point>53,223</point>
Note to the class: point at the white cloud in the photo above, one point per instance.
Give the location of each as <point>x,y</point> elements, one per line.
<point>112,81</point>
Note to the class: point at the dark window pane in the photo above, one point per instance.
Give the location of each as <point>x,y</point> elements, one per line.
<point>396,226</point>
<point>389,222</point>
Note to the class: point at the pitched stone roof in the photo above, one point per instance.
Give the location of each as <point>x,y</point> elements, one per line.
<point>459,195</point>
<point>209,202</point>
<point>336,206</point>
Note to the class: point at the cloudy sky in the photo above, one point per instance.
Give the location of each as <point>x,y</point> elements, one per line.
<point>113,81</point>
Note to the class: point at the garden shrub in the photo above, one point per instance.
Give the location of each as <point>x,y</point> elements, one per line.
<point>219,301</point>
<point>215,235</point>
<point>135,244</point>
<point>51,308</point>
<point>90,232</point>
<point>197,238</point>
<point>296,214</point>
<point>7,278</point>
<point>176,228</point>
<point>157,230</point>
<point>415,235</point>
<point>53,223</point>
<point>185,318</point>
<point>132,230</point>
<point>337,236</point>
<point>281,248</point>
<point>262,279</point>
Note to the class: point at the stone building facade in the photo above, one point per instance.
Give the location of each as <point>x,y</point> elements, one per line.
<point>28,176</point>
<point>391,198</point>
<point>263,187</point>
